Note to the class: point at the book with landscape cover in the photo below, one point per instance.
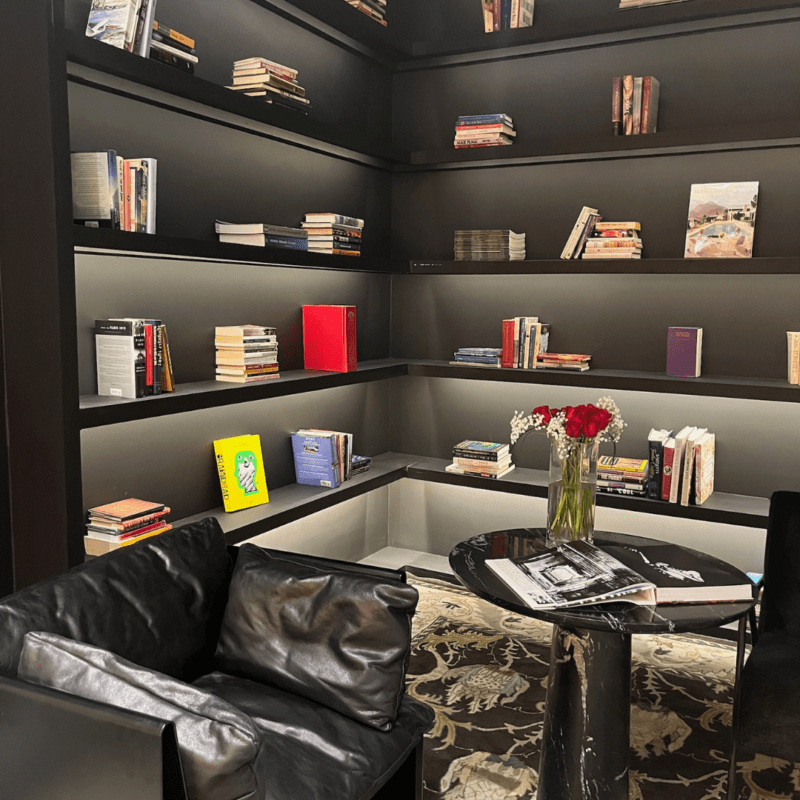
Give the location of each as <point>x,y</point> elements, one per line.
<point>572,574</point>
<point>722,219</point>
<point>241,472</point>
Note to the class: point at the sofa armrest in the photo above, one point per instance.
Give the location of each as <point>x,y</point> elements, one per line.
<point>56,746</point>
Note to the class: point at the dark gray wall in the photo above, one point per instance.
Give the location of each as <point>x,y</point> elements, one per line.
<point>192,297</point>
<point>713,80</point>
<point>171,459</point>
<point>543,201</point>
<point>757,445</point>
<point>621,320</point>
<point>345,90</point>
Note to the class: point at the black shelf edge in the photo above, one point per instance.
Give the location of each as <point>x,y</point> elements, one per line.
<point>762,265</point>
<point>97,411</point>
<point>295,501</point>
<point>620,21</point>
<point>730,509</point>
<point>147,72</point>
<point>773,389</point>
<point>154,245</point>
<point>754,136</point>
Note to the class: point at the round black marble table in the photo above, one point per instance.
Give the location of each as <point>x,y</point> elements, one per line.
<point>586,738</point>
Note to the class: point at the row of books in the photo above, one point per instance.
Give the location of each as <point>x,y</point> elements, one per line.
<point>273,83</point>
<point>246,353</point>
<point>634,105</point>
<point>133,358</point>
<point>502,15</point>
<point>525,340</point>
<point>483,459</point>
<point>322,457</point>
<point>122,523</point>
<point>484,130</point>
<point>489,245</point>
<point>374,9</point>
<point>109,191</point>
<point>681,466</point>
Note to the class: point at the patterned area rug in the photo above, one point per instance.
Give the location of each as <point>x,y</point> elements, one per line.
<point>484,672</point>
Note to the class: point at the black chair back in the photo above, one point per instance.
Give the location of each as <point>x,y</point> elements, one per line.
<point>780,607</point>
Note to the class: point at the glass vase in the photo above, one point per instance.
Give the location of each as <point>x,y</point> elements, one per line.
<point>571,493</point>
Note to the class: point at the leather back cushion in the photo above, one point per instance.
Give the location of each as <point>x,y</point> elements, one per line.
<point>220,746</point>
<point>338,638</point>
<point>780,608</point>
<point>158,603</point>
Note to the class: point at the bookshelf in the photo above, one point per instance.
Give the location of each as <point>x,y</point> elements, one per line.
<point>376,145</point>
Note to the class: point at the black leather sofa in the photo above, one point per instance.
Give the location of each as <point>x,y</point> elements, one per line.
<point>304,684</point>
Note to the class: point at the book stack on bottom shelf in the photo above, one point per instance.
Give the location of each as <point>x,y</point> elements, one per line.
<point>484,459</point>
<point>622,475</point>
<point>499,245</point>
<point>323,457</point>
<point>124,522</point>
<point>614,240</point>
<point>246,353</point>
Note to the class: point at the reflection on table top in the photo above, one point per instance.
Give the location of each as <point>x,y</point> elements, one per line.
<point>468,557</point>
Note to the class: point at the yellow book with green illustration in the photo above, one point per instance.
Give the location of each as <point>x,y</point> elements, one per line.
<point>241,472</point>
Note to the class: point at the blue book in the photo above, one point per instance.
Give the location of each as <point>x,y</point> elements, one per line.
<point>315,460</point>
<point>288,242</point>
<point>484,119</point>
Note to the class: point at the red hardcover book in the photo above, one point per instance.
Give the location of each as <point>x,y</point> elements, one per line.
<point>497,14</point>
<point>148,353</point>
<point>667,467</point>
<point>329,338</point>
<point>507,357</point>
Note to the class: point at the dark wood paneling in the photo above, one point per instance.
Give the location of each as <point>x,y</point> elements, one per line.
<point>170,459</point>
<point>38,297</point>
<point>568,94</point>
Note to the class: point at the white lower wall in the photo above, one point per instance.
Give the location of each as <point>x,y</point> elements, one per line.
<point>434,517</point>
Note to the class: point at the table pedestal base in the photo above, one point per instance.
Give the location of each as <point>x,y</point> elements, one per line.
<point>586,738</point>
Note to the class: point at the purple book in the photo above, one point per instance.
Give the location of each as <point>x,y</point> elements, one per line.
<point>684,349</point>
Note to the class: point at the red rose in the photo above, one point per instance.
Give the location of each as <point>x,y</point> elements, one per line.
<point>600,416</point>
<point>591,428</point>
<point>577,413</point>
<point>573,428</point>
<point>544,413</point>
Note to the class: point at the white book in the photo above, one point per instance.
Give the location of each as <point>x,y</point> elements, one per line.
<point>577,229</point>
<point>677,462</point>
<point>688,464</point>
<point>113,23</point>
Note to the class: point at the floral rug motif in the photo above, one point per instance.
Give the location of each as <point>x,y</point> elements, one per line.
<point>484,672</point>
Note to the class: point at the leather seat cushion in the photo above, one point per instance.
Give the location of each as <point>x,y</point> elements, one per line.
<point>339,638</point>
<point>313,751</point>
<point>219,745</point>
<point>769,703</point>
<point>157,603</point>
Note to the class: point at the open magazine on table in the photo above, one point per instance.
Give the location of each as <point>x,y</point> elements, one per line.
<point>580,573</point>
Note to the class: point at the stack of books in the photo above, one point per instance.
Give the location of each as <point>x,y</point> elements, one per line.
<point>334,234</point>
<point>581,231</point>
<point>246,353</point>
<point>124,522</point>
<point>273,83</point>
<point>571,361</point>
<point>525,340</point>
<point>484,459</point>
<point>133,358</point>
<point>323,457</point>
<point>173,48</point>
<point>493,245</point>
<point>109,191</point>
<point>614,240</point>
<point>126,24</point>
<point>622,475</point>
<point>359,464</point>
<point>478,356</point>
<point>374,9</point>
<point>484,130</point>
<point>261,235</point>
<point>793,349</point>
<point>681,466</point>
<point>502,15</point>
<point>634,105</point>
